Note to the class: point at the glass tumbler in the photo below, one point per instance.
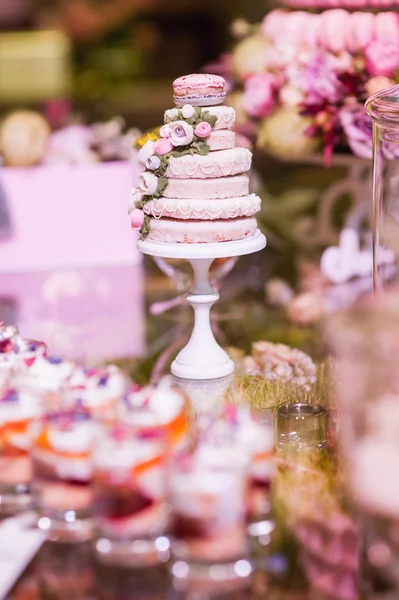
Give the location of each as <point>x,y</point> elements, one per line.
<point>129,485</point>
<point>208,495</point>
<point>383,108</point>
<point>365,341</point>
<point>300,427</point>
<point>17,410</point>
<point>61,448</point>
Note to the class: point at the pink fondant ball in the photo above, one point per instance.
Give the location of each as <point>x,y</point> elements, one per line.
<point>137,218</point>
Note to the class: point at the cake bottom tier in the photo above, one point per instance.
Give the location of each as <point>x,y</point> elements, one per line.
<point>201,232</point>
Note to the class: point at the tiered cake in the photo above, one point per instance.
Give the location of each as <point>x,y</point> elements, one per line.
<point>195,187</point>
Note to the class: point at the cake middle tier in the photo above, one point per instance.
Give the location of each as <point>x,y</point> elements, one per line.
<point>222,187</point>
<point>203,208</point>
<point>223,163</point>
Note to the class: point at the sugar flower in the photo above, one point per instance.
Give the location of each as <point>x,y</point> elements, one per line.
<point>136,196</point>
<point>146,151</point>
<point>148,183</point>
<point>163,146</point>
<point>153,163</point>
<point>181,133</point>
<point>188,111</point>
<point>165,130</point>
<point>203,130</point>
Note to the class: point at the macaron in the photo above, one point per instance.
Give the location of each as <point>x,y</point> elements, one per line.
<point>199,89</point>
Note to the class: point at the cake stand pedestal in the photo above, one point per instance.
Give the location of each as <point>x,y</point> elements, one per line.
<point>202,357</point>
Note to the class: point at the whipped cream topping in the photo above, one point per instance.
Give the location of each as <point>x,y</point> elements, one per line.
<point>95,387</point>
<point>47,374</point>
<point>16,350</point>
<point>75,439</point>
<point>113,454</point>
<point>18,406</point>
<point>154,405</point>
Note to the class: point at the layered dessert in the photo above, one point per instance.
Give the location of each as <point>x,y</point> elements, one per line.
<point>17,351</point>
<point>17,410</point>
<point>129,484</point>
<point>61,455</point>
<point>97,389</point>
<point>195,187</point>
<point>207,492</point>
<point>160,409</point>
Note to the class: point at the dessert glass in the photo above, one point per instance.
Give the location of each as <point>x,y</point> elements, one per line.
<point>61,448</point>
<point>129,485</point>
<point>16,351</point>
<point>207,493</point>
<point>163,408</point>
<point>257,433</point>
<point>97,389</point>
<point>17,410</point>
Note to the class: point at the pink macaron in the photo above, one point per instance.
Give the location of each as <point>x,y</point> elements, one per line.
<point>334,24</point>
<point>387,26</point>
<point>199,89</point>
<point>361,31</point>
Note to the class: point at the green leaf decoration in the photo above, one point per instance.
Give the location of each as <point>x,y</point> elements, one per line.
<point>208,118</point>
<point>203,149</point>
<point>162,185</point>
<point>160,172</point>
<point>145,229</point>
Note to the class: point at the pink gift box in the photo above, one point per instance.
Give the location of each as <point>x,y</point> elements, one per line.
<point>91,314</point>
<point>68,216</point>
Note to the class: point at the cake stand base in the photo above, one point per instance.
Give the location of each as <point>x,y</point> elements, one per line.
<point>202,357</point>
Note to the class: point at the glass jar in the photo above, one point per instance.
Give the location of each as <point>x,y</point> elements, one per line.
<point>365,342</point>
<point>383,108</point>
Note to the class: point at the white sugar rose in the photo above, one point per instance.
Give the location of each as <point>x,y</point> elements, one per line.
<point>146,151</point>
<point>169,114</point>
<point>188,111</point>
<point>181,133</point>
<point>135,197</point>
<point>165,131</point>
<point>148,183</point>
<point>153,163</point>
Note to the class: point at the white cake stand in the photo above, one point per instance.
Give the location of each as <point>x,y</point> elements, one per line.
<point>202,357</point>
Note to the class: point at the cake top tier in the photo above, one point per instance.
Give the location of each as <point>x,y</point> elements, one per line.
<point>199,89</point>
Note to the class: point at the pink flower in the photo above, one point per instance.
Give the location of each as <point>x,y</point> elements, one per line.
<point>137,218</point>
<point>382,57</point>
<point>258,95</point>
<point>163,146</point>
<point>203,130</point>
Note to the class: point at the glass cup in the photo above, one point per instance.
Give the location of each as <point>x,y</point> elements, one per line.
<point>365,342</point>
<point>208,493</point>
<point>61,447</point>
<point>300,427</point>
<point>17,410</point>
<point>163,409</point>
<point>96,389</point>
<point>257,432</point>
<point>130,465</point>
<point>16,350</point>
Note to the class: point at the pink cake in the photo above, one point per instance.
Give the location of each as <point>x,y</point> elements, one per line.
<point>195,187</point>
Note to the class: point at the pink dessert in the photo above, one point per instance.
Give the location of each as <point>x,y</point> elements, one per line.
<point>17,351</point>
<point>195,187</point>
<point>199,89</point>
